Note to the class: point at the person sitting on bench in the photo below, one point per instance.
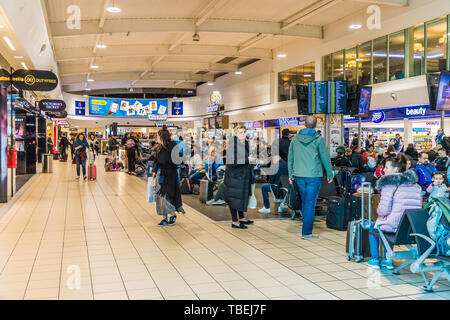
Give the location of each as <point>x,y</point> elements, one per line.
<point>399,191</point>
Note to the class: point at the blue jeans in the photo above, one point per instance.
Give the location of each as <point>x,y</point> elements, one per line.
<point>82,163</point>
<point>196,177</point>
<point>309,189</point>
<point>265,189</point>
<point>374,242</point>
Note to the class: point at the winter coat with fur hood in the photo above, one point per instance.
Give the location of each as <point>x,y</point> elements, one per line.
<point>398,193</point>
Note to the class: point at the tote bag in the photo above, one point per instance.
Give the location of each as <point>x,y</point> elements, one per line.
<point>151,190</point>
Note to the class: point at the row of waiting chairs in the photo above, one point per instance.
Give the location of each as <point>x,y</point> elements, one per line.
<point>412,232</point>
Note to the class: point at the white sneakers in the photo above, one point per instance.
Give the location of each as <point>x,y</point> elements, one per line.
<point>310,237</point>
<point>264,210</point>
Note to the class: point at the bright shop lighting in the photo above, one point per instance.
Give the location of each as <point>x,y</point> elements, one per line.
<point>355,26</point>
<point>281,55</point>
<point>24,65</point>
<point>9,43</point>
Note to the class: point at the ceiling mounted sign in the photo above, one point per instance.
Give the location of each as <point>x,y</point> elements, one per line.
<point>34,80</point>
<point>5,78</point>
<point>57,114</point>
<point>52,105</point>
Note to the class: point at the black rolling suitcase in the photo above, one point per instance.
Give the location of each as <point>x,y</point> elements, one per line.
<point>338,213</point>
<point>357,244</point>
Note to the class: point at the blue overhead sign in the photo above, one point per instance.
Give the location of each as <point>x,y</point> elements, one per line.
<point>177,108</point>
<point>80,108</point>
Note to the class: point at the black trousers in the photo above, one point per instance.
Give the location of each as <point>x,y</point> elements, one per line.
<point>64,153</point>
<point>234,215</point>
<point>131,154</point>
<point>72,153</point>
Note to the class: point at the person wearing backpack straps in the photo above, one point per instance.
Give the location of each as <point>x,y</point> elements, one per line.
<point>131,146</point>
<point>443,161</point>
<point>424,170</point>
<point>369,159</point>
<point>399,191</point>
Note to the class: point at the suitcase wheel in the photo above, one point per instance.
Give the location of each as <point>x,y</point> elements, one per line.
<point>349,258</point>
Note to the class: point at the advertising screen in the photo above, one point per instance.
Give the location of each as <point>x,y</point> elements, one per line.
<point>443,96</point>
<point>318,97</point>
<point>337,96</point>
<point>20,129</point>
<point>364,101</point>
<point>151,109</point>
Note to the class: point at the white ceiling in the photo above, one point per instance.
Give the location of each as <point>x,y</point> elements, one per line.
<point>156,36</point>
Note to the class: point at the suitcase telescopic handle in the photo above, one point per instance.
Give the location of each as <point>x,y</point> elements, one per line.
<point>366,224</point>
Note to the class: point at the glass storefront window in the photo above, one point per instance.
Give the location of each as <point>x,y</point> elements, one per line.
<point>419,57</point>
<point>287,80</point>
<point>327,72</point>
<point>364,63</point>
<point>338,65</point>
<point>350,65</point>
<point>397,56</point>
<point>436,45</point>
<point>379,59</point>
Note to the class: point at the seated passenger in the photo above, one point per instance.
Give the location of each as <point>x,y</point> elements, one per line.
<point>437,189</point>
<point>399,191</point>
<point>443,161</point>
<point>341,160</point>
<point>369,159</point>
<point>424,170</point>
<point>217,200</point>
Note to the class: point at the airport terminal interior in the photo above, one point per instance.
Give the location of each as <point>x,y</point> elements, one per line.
<point>123,123</point>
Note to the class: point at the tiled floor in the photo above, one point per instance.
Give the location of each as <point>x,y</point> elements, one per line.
<point>68,239</point>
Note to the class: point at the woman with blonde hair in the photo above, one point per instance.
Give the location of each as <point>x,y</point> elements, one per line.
<point>81,147</point>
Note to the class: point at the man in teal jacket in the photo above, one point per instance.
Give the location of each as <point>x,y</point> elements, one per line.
<point>307,158</point>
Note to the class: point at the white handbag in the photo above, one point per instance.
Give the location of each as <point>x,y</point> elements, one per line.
<point>252,203</point>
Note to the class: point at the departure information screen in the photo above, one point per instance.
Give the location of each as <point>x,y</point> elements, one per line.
<point>337,96</point>
<point>318,97</point>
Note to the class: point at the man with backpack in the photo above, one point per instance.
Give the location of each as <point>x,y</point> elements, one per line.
<point>439,137</point>
<point>131,147</point>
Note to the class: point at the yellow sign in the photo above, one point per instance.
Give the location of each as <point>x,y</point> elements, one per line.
<point>30,80</point>
<point>215,97</point>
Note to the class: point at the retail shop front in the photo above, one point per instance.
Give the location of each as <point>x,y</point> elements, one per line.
<point>416,124</point>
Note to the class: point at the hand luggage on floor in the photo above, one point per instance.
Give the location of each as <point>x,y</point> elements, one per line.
<point>185,186</point>
<point>357,245</point>
<point>92,172</point>
<point>206,190</point>
<point>293,197</point>
<point>338,213</point>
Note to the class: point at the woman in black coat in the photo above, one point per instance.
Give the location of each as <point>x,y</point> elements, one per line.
<point>168,194</point>
<point>237,181</point>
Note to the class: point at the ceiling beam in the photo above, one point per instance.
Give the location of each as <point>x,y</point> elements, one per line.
<point>70,54</point>
<point>253,42</point>
<point>140,66</point>
<point>207,10</point>
<point>397,3</point>
<point>132,76</point>
<point>89,27</point>
<point>308,12</point>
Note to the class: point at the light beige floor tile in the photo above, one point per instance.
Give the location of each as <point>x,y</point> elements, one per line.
<point>207,288</point>
<point>276,292</point>
<point>215,296</point>
<point>116,295</point>
<point>144,294</point>
<point>334,285</point>
<point>351,295</point>
<point>252,294</point>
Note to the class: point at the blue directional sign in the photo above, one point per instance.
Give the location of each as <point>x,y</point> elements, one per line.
<point>80,108</point>
<point>177,108</point>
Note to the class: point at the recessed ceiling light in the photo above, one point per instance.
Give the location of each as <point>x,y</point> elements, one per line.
<point>94,66</point>
<point>307,76</point>
<point>1,26</point>
<point>360,59</point>
<point>175,98</point>
<point>102,46</point>
<point>88,89</point>
<point>238,72</point>
<point>24,65</point>
<point>190,91</point>
<point>9,43</point>
<point>355,26</point>
<point>113,9</point>
<point>90,80</point>
<point>18,57</point>
<point>85,96</point>
<point>281,55</point>
<point>210,84</point>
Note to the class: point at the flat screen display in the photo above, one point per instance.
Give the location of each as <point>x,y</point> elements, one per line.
<point>364,101</point>
<point>20,130</point>
<point>443,96</point>
<point>337,97</point>
<point>318,97</point>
